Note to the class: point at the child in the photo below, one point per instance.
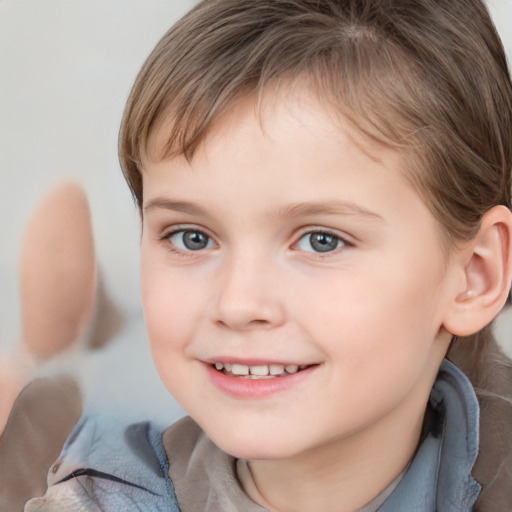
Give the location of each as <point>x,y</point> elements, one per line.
<point>324,188</point>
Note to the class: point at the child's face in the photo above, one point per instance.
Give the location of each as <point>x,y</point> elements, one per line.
<point>284,244</point>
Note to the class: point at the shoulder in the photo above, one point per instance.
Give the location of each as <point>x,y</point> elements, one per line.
<point>204,476</point>
<point>191,452</point>
<point>182,438</point>
<point>109,467</point>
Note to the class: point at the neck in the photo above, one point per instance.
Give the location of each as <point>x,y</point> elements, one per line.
<point>341,476</point>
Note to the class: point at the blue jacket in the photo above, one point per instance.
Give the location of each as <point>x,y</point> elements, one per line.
<point>108,468</point>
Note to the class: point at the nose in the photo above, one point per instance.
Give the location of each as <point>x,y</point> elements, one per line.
<point>248,295</point>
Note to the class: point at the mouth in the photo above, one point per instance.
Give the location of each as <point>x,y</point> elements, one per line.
<point>258,372</point>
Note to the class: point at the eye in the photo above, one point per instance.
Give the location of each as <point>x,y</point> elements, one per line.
<point>190,240</point>
<point>320,242</point>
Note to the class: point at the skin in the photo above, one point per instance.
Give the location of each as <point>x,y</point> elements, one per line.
<point>369,314</point>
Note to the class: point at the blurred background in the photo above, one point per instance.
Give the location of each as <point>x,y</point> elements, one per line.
<point>66,68</point>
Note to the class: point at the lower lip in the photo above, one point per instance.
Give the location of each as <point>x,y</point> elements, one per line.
<point>240,387</point>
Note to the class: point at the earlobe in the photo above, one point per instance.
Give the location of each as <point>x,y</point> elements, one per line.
<point>487,270</point>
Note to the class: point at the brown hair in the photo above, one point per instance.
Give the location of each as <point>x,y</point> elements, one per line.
<point>427,77</point>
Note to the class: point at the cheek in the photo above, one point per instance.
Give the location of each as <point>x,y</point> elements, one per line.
<point>167,313</point>
<point>371,316</point>
<point>170,306</point>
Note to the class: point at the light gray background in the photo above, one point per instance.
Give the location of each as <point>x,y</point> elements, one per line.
<point>66,67</point>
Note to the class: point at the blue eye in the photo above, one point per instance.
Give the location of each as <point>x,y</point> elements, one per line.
<point>190,240</point>
<point>320,242</point>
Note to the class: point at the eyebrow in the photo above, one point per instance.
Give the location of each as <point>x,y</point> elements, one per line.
<point>302,209</point>
<point>176,206</point>
<point>327,208</point>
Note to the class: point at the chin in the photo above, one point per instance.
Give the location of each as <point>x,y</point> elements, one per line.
<point>253,446</point>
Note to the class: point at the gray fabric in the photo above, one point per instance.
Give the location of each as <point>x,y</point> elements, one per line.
<point>106,467</point>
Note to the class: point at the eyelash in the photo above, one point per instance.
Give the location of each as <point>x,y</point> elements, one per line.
<point>167,236</point>
<point>342,242</point>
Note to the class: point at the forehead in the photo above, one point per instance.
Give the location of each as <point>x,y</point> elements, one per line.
<point>283,149</point>
<point>293,100</point>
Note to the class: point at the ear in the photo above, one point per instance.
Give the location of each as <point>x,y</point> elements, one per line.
<point>486,267</point>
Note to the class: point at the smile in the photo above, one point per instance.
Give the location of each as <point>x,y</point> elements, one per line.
<point>257,372</point>
<point>257,380</point>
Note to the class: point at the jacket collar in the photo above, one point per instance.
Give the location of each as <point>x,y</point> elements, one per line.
<point>439,477</point>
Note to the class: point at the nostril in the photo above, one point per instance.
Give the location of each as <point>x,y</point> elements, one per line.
<point>243,325</point>
<point>258,322</point>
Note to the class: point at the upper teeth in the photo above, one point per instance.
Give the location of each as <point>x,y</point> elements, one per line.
<point>258,370</point>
